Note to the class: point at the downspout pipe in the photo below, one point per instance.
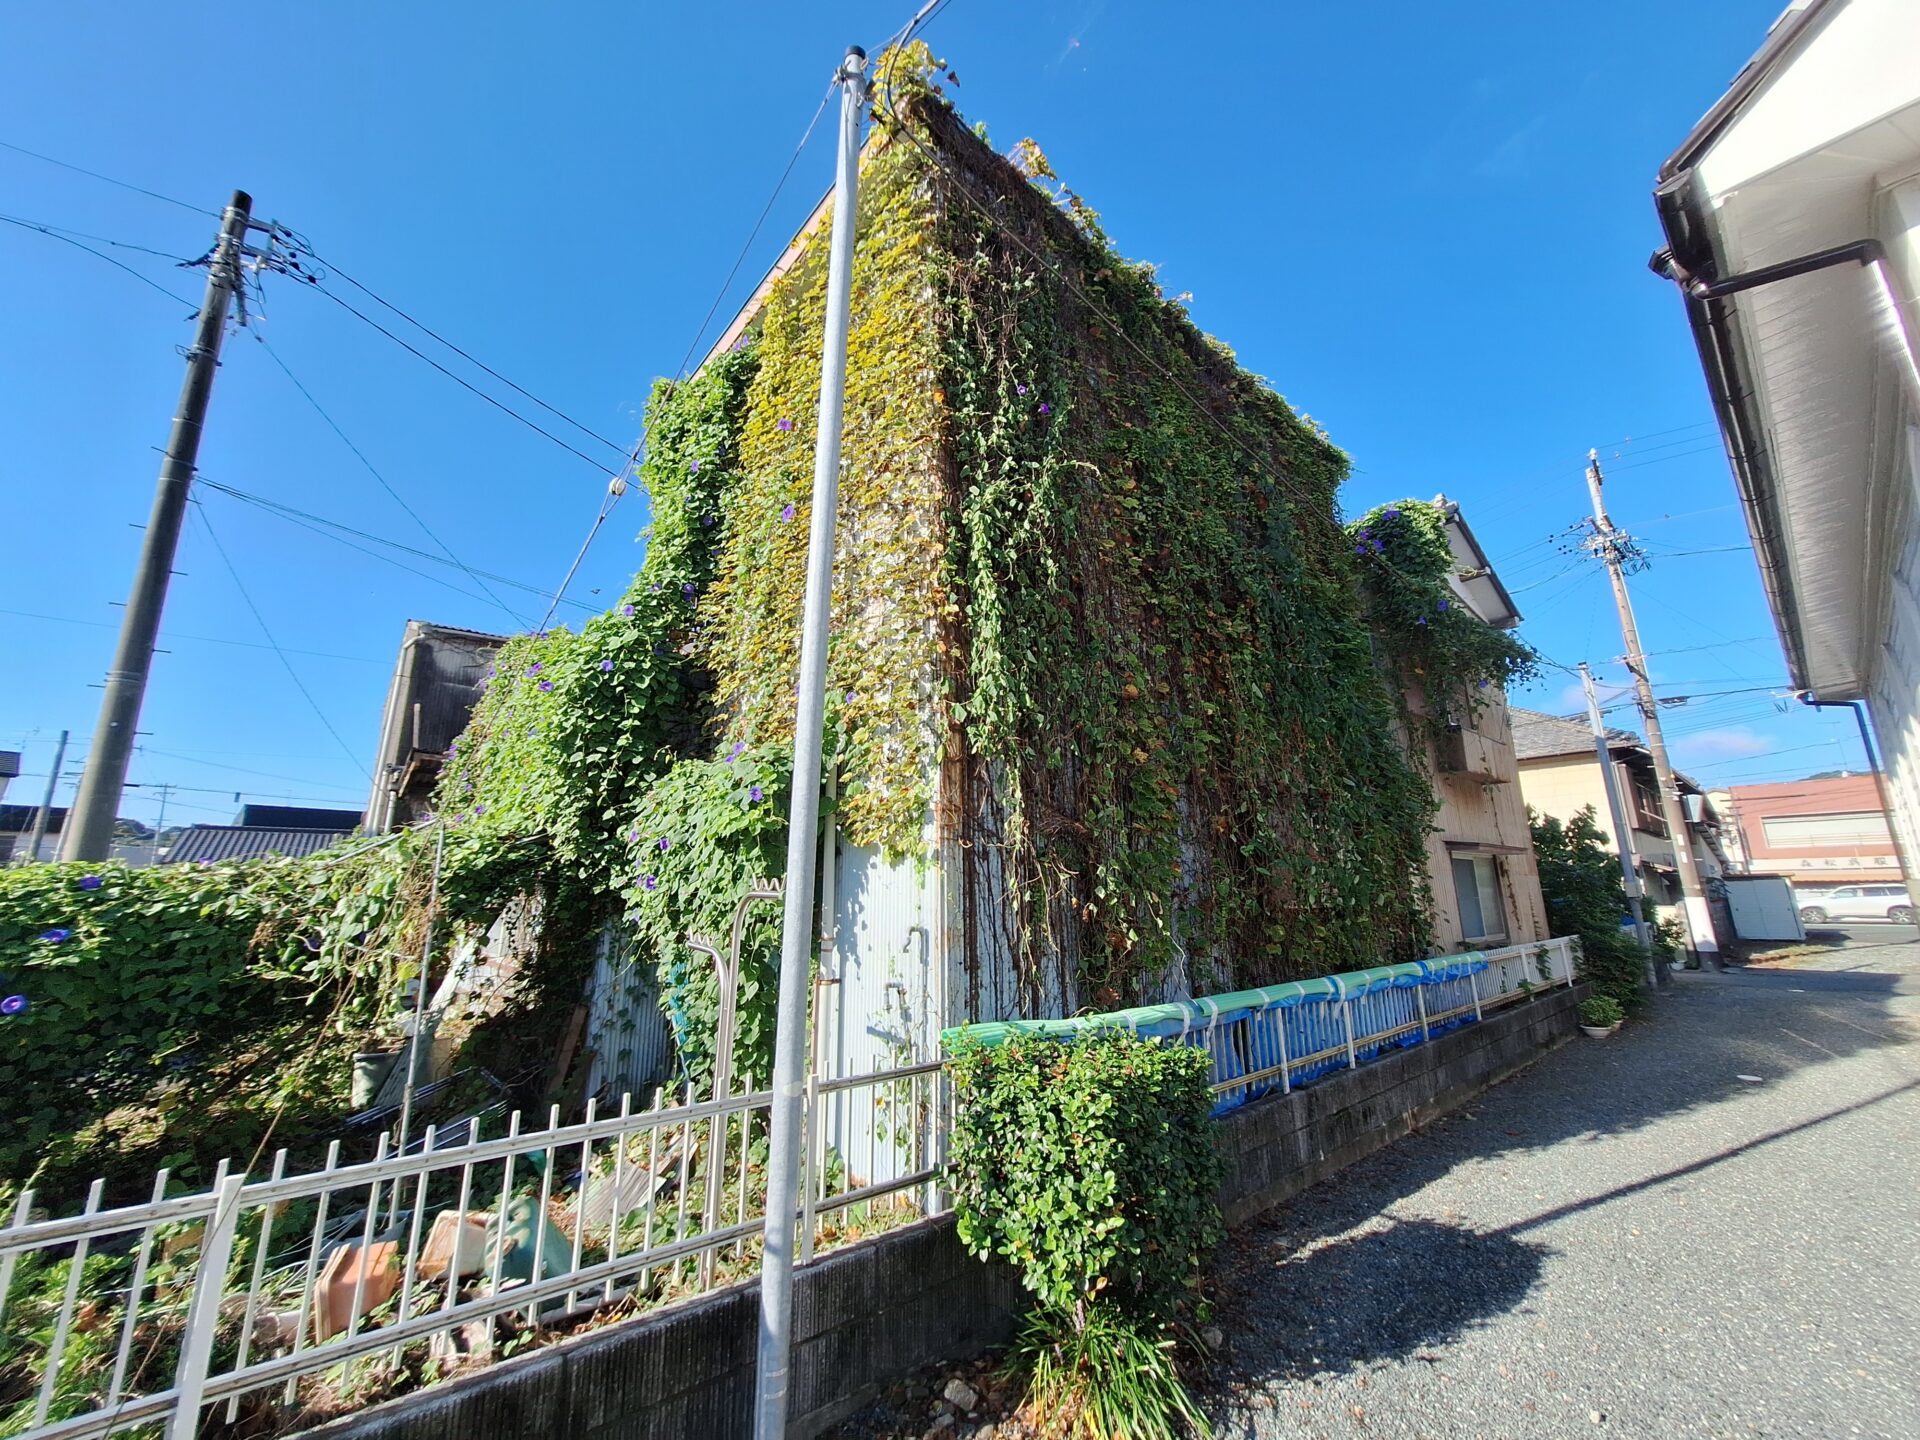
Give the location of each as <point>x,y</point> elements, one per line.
<point>1859,709</point>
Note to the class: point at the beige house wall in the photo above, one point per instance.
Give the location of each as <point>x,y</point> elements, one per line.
<point>1483,808</point>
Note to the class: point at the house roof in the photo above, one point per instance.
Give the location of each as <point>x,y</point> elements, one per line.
<point>296,817</point>
<point>1537,735</point>
<point>18,819</point>
<point>246,842</point>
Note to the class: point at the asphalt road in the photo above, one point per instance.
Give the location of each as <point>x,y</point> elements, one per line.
<point>1704,1226</point>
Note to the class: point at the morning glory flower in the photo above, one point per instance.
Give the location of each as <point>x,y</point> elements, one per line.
<point>90,882</point>
<point>706,522</point>
<point>786,512</point>
<point>606,665</point>
<point>665,843</point>
<point>1392,512</point>
<point>786,425</point>
<point>649,882</point>
<point>479,810</point>
<point>546,685</point>
<point>687,590</point>
<point>56,936</point>
<point>739,746</point>
<point>13,1005</point>
<point>756,794</point>
<point>1421,621</point>
<point>534,669</point>
<point>627,610</point>
<point>633,835</point>
<point>654,588</point>
<point>1045,408</point>
<point>694,468</point>
<point>1442,605</point>
<point>492,670</point>
<point>1019,389</point>
<point>1360,549</point>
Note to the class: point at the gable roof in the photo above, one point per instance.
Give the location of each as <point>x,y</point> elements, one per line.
<point>245,842</point>
<point>1538,735</point>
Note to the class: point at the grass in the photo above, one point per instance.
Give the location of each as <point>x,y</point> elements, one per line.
<point>1098,1375</point>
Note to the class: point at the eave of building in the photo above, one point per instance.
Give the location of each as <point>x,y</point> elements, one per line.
<point>1810,376</point>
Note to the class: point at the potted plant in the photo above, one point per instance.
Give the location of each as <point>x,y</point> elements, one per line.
<point>1600,1016</point>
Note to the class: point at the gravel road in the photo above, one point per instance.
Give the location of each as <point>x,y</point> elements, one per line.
<point>1704,1226</point>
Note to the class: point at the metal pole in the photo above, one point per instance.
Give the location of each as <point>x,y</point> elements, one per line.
<point>1699,918</point>
<point>1622,829</point>
<point>772,1375</point>
<point>45,812</point>
<point>89,832</point>
<point>420,996</point>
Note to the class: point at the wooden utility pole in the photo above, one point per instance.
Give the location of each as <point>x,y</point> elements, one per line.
<point>1609,544</point>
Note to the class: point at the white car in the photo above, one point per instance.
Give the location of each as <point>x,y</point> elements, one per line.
<point>1860,902</point>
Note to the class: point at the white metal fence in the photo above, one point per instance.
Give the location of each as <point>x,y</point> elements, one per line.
<point>275,1300</point>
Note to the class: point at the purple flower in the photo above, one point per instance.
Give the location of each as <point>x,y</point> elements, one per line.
<point>756,794</point>
<point>1442,605</point>
<point>665,844</point>
<point>633,835</point>
<point>849,697</point>
<point>1019,389</point>
<point>1421,621</point>
<point>606,665</point>
<point>694,468</point>
<point>1392,512</point>
<point>532,730</point>
<point>734,754</point>
<point>786,511</point>
<point>54,937</point>
<point>654,588</point>
<point>786,425</point>
<point>546,685</point>
<point>492,670</point>
<point>627,610</point>
<point>13,1005</point>
<point>649,882</point>
<point>534,669</point>
<point>1045,408</point>
<point>90,882</point>
<point>1360,549</point>
<point>1378,548</point>
<point>479,810</point>
<point>687,590</point>
<point>706,522</point>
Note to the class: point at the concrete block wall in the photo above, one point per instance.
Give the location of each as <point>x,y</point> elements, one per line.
<point>871,1313</point>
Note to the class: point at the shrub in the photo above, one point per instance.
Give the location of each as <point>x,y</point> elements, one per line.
<point>1580,880</point>
<point>1601,1011</point>
<point>1090,1167</point>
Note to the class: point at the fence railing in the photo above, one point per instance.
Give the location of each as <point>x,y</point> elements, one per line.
<point>276,1300</point>
<point>1279,1036</point>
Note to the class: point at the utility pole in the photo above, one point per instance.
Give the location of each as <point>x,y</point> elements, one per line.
<point>45,812</point>
<point>1622,827</point>
<point>1608,544</point>
<point>773,1371</point>
<point>89,831</point>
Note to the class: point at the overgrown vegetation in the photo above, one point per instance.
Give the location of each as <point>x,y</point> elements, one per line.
<point>1580,880</point>
<point>1090,1167</point>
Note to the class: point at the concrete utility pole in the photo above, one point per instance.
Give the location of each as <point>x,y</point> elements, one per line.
<point>1608,544</point>
<point>772,1373</point>
<point>45,812</point>
<point>1622,825</point>
<point>89,832</point>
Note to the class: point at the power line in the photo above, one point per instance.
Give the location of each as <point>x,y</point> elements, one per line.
<point>464,383</point>
<point>239,769</point>
<point>95,174</point>
<point>320,525</point>
<point>464,355</point>
<point>360,455</point>
<point>259,619</point>
<point>170,637</point>
<point>54,234</point>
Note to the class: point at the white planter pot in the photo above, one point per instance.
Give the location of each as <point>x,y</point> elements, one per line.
<point>1597,1032</point>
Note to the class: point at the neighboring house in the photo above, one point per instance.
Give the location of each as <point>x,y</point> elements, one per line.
<point>297,817</point>
<point>435,685</point>
<point>9,771</point>
<point>1560,776</point>
<point>16,837</point>
<point>210,843</point>
<point>1792,216</point>
<point>1817,833</point>
<point>1480,862</point>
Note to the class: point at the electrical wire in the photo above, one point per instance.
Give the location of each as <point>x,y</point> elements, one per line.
<point>95,174</point>
<point>54,234</point>
<point>267,633</point>
<point>337,531</point>
<point>170,637</point>
<point>360,455</point>
<point>464,355</point>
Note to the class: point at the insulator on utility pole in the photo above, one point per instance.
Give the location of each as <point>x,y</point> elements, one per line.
<point>1700,937</point>
<point>89,831</point>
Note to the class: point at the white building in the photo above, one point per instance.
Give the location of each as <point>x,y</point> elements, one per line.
<point>1792,215</point>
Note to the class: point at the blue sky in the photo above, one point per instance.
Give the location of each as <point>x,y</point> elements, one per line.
<point>1427,225</point>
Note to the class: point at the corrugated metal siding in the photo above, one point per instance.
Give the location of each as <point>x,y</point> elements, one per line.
<point>626,1028</point>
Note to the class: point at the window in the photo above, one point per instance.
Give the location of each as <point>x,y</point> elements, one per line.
<point>1865,827</point>
<point>1476,884</point>
<point>1849,892</point>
